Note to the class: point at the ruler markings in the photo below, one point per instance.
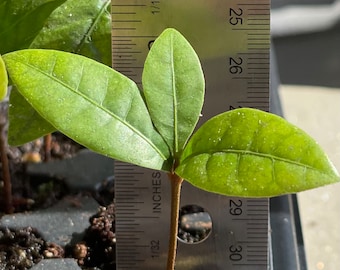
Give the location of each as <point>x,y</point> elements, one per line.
<point>123,13</point>
<point>250,97</point>
<point>256,236</point>
<point>257,224</point>
<point>132,36</point>
<point>250,29</point>
<point>125,198</point>
<point>127,57</point>
<point>137,67</point>
<point>128,183</point>
<point>258,68</point>
<point>260,61</point>
<point>127,189</point>
<point>256,201</point>
<point>135,246</point>
<point>128,233</point>
<point>242,78</point>
<point>257,24</point>
<point>126,227</point>
<point>255,90</point>
<point>126,21</point>
<point>258,43</point>
<point>257,49</point>
<point>249,264</point>
<point>122,48</point>
<point>257,38</point>
<point>123,28</point>
<point>256,73</point>
<point>261,19</point>
<point>130,52</point>
<point>130,5</point>
<point>130,191</point>
<point>124,168</point>
<point>129,248</point>
<point>128,220</point>
<point>124,61</point>
<point>262,54</point>
<point>264,36</point>
<point>253,4</point>
<point>255,231</point>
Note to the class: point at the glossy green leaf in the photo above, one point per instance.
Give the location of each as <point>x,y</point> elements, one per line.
<point>21,20</point>
<point>76,26</point>
<point>173,85</point>
<point>79,26</point>
<point>247,152</point>
<point>3,80</point>
<point>25,124</point>
<point>89,102</point>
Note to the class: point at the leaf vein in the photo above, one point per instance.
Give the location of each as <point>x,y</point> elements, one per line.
<point>173,78</point>
<point>54,78</point>
<point>87,35</point>
<point>239,153</point>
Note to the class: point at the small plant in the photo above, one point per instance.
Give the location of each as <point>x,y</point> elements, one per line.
<point>244,152</point>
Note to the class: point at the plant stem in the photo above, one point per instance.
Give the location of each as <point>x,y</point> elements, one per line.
<point>5,172</point>
<point>176,183</point>
<point>47,147</point>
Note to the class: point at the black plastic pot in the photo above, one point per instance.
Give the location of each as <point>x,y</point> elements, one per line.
<point>287,247</point>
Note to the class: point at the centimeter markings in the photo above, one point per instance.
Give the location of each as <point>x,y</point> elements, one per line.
<point>256,222</point>
<point>232,39</point>
<point>257,58</point>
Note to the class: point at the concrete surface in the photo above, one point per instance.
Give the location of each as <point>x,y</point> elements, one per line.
<point>317,111</point>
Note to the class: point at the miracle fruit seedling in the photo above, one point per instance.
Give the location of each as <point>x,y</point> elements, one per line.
<point>244,152</point>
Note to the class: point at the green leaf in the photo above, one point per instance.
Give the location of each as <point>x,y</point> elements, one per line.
<point>247,152</point>
<point>25,124</point>
<point>89,102</point>
<point>3,79</point>
<point>76,26</point>
<point>79,26</point>
<point>21,20</point>
<point>173,86</point>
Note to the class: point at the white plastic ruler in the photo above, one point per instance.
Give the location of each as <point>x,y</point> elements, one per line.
<point>232,39</point>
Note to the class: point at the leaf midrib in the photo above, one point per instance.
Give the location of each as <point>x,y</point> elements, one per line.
<point>174,93</point>
<point>247,152</point>
<point>141,135</point>
<point>92,27</point>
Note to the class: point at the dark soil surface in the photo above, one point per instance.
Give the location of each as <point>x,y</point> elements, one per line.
<point>98,247</point>
<point>34,193</point>
<point>22,248</point>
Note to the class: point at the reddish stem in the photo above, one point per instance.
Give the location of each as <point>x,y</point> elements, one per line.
<point>176,183</point>
<point>47,147</point>
<point>5,172</point>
